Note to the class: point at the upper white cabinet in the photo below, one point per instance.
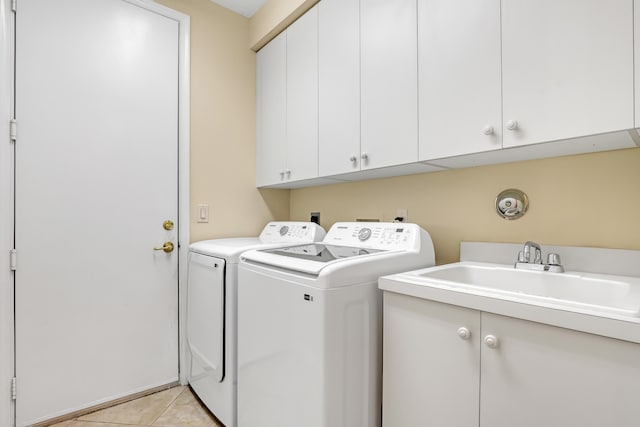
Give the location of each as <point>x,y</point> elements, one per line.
<point>369,88</point>
<point>302,97</point>
<point>339,86</point>
<point>287,105</point>
<point>271,86</point>
<point>567,68</point>
<point>459,77</point>
<point>389,82</point>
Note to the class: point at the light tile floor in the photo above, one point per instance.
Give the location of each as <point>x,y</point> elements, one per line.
<point>176,407</point>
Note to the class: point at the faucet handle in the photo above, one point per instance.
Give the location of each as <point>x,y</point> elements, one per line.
<point>553,259</point>
<point>537,258</point>
<point>521,257</point>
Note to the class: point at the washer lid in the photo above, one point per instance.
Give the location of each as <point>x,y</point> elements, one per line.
<point>227,248</point>
<point>320,252</point>
<point>274,234</point>
<point>310,258</point>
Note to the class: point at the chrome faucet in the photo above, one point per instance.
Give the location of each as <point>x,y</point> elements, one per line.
<point>537,258</point>
<point>525,262</point>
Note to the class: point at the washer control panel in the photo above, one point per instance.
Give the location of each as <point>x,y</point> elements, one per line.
<point>291,232</point>
<point>377,235</point>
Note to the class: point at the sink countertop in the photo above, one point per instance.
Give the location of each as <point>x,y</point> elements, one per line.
<point>538,309</point>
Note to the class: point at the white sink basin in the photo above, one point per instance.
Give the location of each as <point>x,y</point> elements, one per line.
<point>593,292</point>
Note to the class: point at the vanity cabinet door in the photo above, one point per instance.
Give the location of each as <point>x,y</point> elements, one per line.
<point>540,375</point>
<point>567,68</point>
<point>430,372</point>
<point>389,82</point>
<point>460,103</point>
<point>271,110</point>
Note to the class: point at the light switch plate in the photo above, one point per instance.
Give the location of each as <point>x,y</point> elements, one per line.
<point>203,213</point>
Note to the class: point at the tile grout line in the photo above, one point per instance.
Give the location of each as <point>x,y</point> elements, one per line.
<point>104,422</point>
<point>169,405</point>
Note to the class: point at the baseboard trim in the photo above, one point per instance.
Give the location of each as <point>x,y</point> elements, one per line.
<point>81,412</point>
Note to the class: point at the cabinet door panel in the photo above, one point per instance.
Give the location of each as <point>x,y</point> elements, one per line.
<point>430,375</point>
<point>567,68</point>
<point>389,82</point>
<point>636,46</point>
<point>271,111</point>
<point>542,375</point>
<point>302,97</point>
<point>339,86</point>
<point>459,77</point>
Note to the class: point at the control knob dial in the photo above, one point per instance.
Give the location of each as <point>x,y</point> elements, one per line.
<point>364,234</point>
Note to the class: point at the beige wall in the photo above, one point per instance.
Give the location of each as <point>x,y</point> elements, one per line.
<point>585,200</point>
<point>223,125</point>
<point>273,17</point>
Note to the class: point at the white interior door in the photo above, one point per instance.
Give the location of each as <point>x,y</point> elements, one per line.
<point>96,177</point>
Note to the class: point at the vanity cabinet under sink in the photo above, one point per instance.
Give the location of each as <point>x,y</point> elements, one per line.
<point>447,365</point>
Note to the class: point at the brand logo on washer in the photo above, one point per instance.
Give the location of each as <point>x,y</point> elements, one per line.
<point>308,297</point>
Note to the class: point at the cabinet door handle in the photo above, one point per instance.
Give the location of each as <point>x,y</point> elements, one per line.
<point>492,341</point>
<point>281,174</point>
<point>364,156</point>
<point>464,333</point>
<point>353,158</point>
<point>512,125</point>
<point>288,172</point>
<point>488,130</point>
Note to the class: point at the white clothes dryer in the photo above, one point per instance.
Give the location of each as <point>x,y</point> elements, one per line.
<point>212,311</point>
<point>310,325</point>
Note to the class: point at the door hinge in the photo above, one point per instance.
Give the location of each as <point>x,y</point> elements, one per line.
<point>14,5</point>
<point>13,129</point>
<point>13,259</point>
<point>14,390</point>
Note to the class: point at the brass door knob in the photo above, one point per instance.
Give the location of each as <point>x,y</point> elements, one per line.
<point>167,247</point>
<point>167,225</point>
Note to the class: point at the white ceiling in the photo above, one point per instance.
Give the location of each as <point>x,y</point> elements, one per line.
<point>243,7</point>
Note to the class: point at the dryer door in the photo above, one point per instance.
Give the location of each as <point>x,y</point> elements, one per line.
<point>205,316</point>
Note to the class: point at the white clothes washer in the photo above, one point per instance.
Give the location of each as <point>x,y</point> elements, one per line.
<point>212,311</point>
<point>310,325</point>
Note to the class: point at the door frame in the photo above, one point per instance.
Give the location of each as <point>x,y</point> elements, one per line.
<point>7,208</point>
<point>7,416</point>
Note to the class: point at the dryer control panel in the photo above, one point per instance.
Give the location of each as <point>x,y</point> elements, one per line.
<point>291,232</point>
<point>375,235</point>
